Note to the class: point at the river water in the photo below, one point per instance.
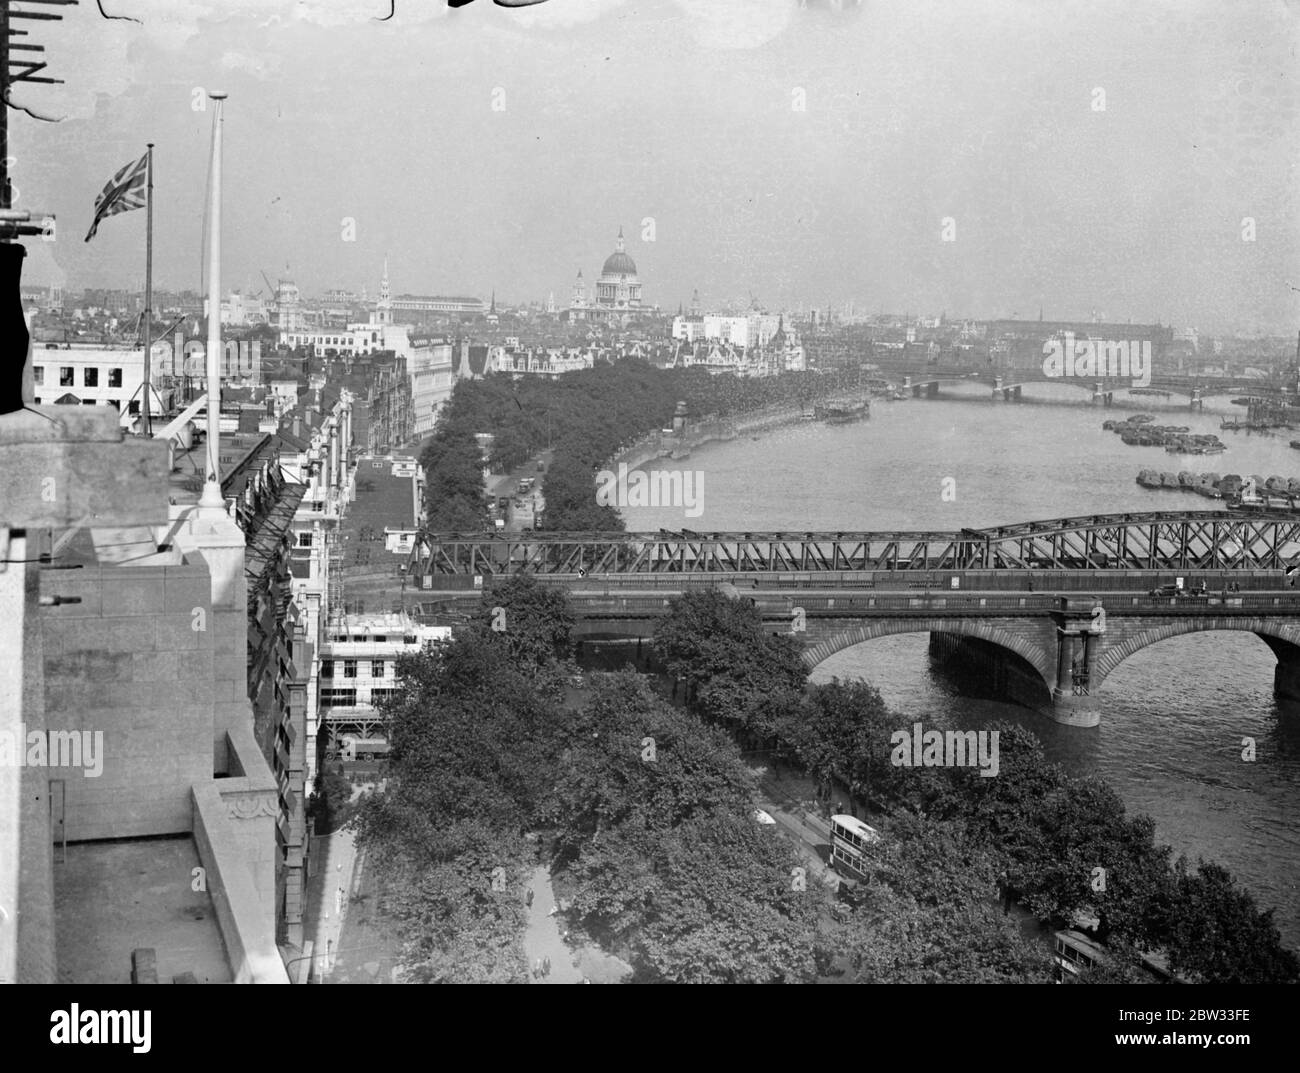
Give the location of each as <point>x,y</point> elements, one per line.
<point>1173,715</point>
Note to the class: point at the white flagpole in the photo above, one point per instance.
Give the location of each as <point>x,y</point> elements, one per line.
<point>212,497</point>
<point>145,419</point>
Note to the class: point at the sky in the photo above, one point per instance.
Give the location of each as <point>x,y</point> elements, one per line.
<point>1133,160</point>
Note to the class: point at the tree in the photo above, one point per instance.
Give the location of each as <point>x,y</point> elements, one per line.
<point>1218,935</point>
<point>475,740</point>
<point>535,619</point>
<point>928,914</point>
<point>738,674</point>
<point>657,838</point>
<point>330,806</point>
<point>454,492</point>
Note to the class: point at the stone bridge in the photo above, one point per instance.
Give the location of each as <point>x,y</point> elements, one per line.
<point>1052,651</point>
<point>1047,609</point>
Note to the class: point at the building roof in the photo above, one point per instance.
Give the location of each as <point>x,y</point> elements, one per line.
<point>382,501</point>
<point>437,298</point>
<point>288,439</point>
<point>618,263</point>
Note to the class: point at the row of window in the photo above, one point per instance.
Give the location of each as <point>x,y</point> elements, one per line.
<point>89,376</point>
<point>347,698</point>
<point>845,835</point>
<point>350,668</point>
<point>374,639</point>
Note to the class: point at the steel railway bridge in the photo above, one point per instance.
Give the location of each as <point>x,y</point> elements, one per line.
<point>1044,610</point>
<point>1148,541</point>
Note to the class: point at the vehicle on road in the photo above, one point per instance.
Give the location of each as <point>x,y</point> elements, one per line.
<point>851,840</point>
<point>1073,952</point>
<point>1167,590</point>
<point>355,747</point>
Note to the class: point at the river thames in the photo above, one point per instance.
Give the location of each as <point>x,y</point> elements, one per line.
<point>1173,715</point>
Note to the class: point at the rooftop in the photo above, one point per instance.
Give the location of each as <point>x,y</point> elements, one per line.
<point>383,501</point>
<point>111,898</point>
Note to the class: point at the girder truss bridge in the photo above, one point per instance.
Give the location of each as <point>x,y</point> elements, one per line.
<point>1189,540</point>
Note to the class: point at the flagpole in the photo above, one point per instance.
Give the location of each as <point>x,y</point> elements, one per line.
<point>148,295</point>
<point>212,497</point>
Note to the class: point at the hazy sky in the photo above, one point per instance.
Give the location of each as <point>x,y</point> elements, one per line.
<point>616,111</point>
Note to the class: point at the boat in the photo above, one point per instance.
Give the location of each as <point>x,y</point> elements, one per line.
<point>841,415</point>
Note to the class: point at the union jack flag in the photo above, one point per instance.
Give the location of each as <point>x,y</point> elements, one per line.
<point>123,192</point>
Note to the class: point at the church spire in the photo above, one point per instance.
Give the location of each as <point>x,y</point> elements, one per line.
<point>493,307</point>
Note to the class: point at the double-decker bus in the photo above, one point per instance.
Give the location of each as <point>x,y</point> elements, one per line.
<point>850,839</point>
<point>1072,951</point>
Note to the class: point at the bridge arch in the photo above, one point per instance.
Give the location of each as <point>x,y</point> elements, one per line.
<point>1025,647</point>
<point>1281,637</point>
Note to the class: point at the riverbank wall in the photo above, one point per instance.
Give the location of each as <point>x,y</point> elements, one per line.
<point>707,430</point>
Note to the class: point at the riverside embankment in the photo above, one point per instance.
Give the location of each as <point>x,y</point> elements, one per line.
<point>708,430</point>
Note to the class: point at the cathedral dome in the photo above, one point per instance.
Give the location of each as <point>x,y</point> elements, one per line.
<point>619,264</point>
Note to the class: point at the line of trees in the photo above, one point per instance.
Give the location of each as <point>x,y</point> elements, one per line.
<point>656,851</point>
<point>1042,830</point>
<point>454,492</point>
<point>647,813</point>
<point>586,417</point>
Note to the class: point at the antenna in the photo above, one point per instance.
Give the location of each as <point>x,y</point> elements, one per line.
<point>15,222</point>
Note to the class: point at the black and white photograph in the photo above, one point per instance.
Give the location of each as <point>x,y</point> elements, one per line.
<point>723,492</point>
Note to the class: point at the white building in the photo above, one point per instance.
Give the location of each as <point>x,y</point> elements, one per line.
<point>240,310</point>
<point>357,669</point>
<point>418,304</point>
<point>352,340</point>
<point>749,330</point>
<point>432,379</point>
<point>80,375</point>
<point>288,306</point>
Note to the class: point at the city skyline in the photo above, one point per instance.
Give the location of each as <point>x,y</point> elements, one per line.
<point>822,158</point>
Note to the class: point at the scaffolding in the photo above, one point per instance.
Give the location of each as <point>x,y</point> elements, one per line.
<point>334,574</point>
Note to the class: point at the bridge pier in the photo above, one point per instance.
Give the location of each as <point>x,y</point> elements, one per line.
<point>1072,711</point>
<point>932,390</point>
<point>1286,675</point>
<point>997,388</point>
<point>1073,700</point>
<point>1198,403</point>
<point>1286,680</point>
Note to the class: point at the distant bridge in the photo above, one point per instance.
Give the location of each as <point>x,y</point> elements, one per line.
<point>1044,610</point>
<point>1007,383</point>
